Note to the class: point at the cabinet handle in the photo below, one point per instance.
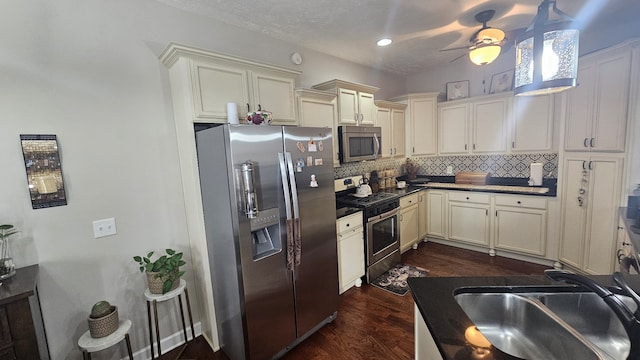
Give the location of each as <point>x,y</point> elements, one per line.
<point>487,212</point>
<point>513,144</point>
<point>584,165</point>
<point>590,165</point>
<point>474,146</point>
<point>519,202</point>
<point>496,213</point>
<point>413,149</point>
<point>348,225</point>
<point>467,198</point>
<point>591,142</point>
<point>585,142</point>
<point>465,146</point>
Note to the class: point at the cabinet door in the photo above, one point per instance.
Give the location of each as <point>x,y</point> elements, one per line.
<point>532,123</point>
<point>383,120</point>
<point>320,113</point>
<point>574,212</point>
<point>350,259</point>
<point>453,129</point>
<point>469,223</point>
<point>580,109</point>
<point>214,86</point>
<point>275,94</point>
<point>436,213</point>
<point>602,221</point>
<point>422,214</point>
<point>367,109</point>
<point>423,126</point>
<point>610,113</point>
<point>348,107</point>
<point>520,230</point>
<point>397,124</point>
<point>490,126</point>
<point>408,227</point>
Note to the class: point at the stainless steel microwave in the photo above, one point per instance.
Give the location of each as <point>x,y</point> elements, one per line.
<point>358,143</point>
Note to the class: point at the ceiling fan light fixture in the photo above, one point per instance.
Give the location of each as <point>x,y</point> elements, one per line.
<point>483,55</point>
<point>547,53</point>
<point>492,35</point>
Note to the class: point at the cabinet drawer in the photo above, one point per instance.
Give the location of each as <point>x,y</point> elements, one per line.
<point>409,200</point>
<point>349,222</point>
<point>521,201</point>
<point>469,197</point>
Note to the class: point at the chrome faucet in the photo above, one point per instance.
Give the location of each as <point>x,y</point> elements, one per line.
<point>629,319</point>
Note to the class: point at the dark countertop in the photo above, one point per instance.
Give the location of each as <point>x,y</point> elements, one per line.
<point>21,285</point>
<point>447,321</point>
<point>551,184</point>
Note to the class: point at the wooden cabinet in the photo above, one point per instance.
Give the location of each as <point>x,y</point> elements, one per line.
<point>390,118</point>
<point>423,213</point>
<point>355,101</point>
<point>468,215</point>
<point>520,224</point>
<point>597,108</point>
<point>350,251</point>
<point>22,334</point>
<point>436,213</point>
<point>474,126</point>
<point>532,123</point>
<point>589,212</point>
<point>215,84</point>
<point>318,109</point>
<point>408,221</point>
<point>421,117</point>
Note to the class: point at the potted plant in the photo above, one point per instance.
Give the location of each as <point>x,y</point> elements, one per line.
<point>7,267</point>
<point>163,274</point>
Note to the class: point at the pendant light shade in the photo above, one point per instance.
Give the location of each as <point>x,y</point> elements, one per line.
<point>547,53</point>
<point>483,55</point>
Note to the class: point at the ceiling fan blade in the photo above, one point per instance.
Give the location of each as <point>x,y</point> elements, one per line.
<point>457,57</point>
<point>458,48</point>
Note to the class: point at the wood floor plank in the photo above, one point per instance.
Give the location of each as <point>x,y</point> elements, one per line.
<point>375,324</point>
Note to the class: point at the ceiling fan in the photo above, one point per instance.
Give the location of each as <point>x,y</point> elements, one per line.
<point>486,43</point>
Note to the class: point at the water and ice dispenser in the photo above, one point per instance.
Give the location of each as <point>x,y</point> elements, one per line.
<point>265,233</point>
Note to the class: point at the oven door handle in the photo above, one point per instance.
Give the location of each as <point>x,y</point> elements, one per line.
<point>383,216</point>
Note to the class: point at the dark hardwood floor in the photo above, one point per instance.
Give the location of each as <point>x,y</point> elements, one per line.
<point>375,324</point>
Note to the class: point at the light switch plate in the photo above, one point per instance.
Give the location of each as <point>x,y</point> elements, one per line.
<point>104,227</point>
<point>449,169</point>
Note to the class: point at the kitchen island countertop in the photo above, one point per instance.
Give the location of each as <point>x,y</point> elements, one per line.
<point>447,322</point>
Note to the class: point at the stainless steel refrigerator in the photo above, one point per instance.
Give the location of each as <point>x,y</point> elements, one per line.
<point>269,210</point>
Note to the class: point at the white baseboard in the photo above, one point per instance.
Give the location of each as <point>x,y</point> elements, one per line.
<point>167,343</point>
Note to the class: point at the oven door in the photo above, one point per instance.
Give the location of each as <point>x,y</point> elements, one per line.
<point>382,236</point>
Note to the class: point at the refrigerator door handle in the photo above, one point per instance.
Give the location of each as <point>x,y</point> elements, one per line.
<point>287,206</point>
<point>297,250</point>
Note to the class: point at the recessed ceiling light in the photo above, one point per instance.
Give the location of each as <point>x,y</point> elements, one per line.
<point>384,42</point>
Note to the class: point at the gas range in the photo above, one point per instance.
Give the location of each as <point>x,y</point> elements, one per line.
<point>374,204</point>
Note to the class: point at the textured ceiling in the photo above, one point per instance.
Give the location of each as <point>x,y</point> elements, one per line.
<point>419,28</point>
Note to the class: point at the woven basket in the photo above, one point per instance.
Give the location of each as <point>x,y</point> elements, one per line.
<point>155,283</point>
<point>105,325</point>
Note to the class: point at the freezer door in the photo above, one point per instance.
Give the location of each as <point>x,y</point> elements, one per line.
<point>316,278</point>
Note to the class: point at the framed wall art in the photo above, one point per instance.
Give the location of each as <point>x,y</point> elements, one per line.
<point>501,82</point>
<point>457,90</point>
<point>44,170</point>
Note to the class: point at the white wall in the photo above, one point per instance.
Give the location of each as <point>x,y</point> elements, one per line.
<point>88,71</point>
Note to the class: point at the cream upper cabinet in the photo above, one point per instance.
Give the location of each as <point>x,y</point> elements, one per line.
<point>355,101</point>
<point>532,123</point>
<point>589,212</point>
<point>390,118</point>
<point>421,121</point>
<point>217,81</point>
<point>474,126</point>
<point>319,109</point>
<point>597,108</point>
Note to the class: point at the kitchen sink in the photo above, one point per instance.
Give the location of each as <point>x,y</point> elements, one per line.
<point>546,324</point>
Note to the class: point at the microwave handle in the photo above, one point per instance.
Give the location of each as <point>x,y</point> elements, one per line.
<point>376,147</point>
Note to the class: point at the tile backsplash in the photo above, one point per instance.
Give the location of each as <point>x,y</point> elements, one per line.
<point>499,165</point>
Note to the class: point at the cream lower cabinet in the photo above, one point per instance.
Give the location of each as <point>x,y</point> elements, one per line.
<point>436,213</point>
<point>590,205</point>
<point>425,347</point>
<point>351,265</point>
<point>408,221</point>
<point>423,213</point>
<point>468,215</point>
<point>520,224</point>
<point>318,109</point>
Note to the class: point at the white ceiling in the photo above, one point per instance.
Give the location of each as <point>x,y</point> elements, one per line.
<point>419,28</point>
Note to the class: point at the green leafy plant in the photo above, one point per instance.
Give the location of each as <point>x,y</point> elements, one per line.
<point>166,267</point>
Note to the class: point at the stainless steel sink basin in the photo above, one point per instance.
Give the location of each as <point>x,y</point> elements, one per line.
<point>548,325</point>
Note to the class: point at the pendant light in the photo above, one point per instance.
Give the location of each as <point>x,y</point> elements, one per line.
<point>547,53</point>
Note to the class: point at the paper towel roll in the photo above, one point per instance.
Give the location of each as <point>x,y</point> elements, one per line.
<point>232,113</point>
<point>536,174</point>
